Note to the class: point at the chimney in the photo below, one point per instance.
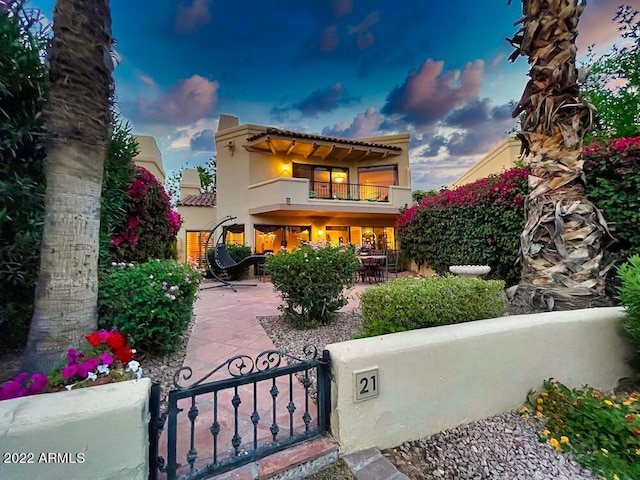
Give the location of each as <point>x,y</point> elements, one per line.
<point>227,121</point>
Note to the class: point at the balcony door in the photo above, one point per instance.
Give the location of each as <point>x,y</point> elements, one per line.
<point>326,182</point>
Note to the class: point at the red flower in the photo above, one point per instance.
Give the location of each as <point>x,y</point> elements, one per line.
<point>123,354</point>
<point>133,222</point>
<point>115,340</point>
<point>94,339</point>
<point>118,240</point>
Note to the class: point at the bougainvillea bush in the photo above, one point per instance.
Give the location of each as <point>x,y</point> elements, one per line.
<point>311,280</point>
<point>150,302</point>
<point>107,359</point>
<point>612,170</point>
<point>479,223</point>
<point>150,226</point>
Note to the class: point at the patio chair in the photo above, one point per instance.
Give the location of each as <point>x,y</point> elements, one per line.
<point>391,264</point>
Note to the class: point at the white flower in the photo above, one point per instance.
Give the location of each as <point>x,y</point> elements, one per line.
<point>68,387</point>
<point>103,369</point>
<point>92,376</point>
<point>139,373</point>
<point>133,365</point>
<point>151,277</point>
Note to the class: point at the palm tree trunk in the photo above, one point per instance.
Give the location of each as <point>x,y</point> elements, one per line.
<point>77,121</point>
<point>564,236</point>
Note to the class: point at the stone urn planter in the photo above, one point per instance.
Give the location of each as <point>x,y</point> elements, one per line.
<point>470,271</point>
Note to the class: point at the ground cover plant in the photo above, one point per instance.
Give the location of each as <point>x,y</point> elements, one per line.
<point>410,303</point>
<point>600,430</point>
<point>150,303</point>
<point>311,280</point>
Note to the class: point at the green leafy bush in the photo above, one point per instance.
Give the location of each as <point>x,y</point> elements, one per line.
<point>149,303</point>
<point>238,253</point>
<point>629,274</point>
<point>23,80</point>
<point>479,223</point>
<point>410,303</point>
<point>601,431</point>
<point>311,281</point>
<point>150,226</point>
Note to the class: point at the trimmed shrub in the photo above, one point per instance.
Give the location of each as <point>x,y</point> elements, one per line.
<point>149,303</point>
<point>410,303</point>
<point>479,223</point>
<point>23,84</point>
<point>151,225</point>
<point>311,281</point>
<point>238,253</point>
<point>629,274</point>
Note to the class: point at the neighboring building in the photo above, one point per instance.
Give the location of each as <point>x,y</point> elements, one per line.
<point>287,187</point>
<point>502,157</point>
<point>149,156</point>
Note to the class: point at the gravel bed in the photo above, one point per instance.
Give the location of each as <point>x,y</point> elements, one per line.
<point>504,446</point>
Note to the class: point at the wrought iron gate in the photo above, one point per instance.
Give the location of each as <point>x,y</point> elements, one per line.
<point>231,413</point>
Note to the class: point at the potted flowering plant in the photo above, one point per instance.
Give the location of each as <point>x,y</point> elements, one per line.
<point>108,359</point>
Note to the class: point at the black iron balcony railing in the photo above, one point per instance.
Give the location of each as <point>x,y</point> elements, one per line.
<point>348,191</point>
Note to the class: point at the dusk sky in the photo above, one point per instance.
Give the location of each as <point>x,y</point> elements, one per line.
<point>346,68</point>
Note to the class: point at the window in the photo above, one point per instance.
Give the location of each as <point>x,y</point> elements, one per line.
<point>196,246</point>
<point>235,234</point>
<point>272,238</point>
<point>381,175</point>
<point>325,182</point>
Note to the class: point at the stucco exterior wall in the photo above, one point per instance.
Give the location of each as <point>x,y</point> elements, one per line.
<point>98,432</point>
<point>502,157</point>
<point>437,378</point>
<point>189,183</point>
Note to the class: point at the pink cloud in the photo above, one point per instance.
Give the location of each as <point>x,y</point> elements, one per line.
<point>596,25</point>
<point>496,60</point>
<point>329,39</point>
<point>364,124</point>
<point>341,7</point>
<point>431,94</point>
<point>364,37</point>
<point>185,102</point>
<point>147,79</point>
<point>190,18</point>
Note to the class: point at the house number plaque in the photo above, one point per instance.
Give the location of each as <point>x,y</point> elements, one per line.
<point>366,384</point>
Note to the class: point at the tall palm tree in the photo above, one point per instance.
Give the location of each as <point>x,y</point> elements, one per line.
<point>564,236</point>
<point>77,121</point>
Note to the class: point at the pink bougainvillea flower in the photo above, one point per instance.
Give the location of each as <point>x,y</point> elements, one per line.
<point>117,240</point>
<point>133,222</point>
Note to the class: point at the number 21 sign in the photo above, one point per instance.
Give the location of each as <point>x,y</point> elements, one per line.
<point>366,384</point>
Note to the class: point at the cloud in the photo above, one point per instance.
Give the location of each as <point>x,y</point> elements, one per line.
<point>429,95</point>
<point>364,37</point>
<point>203,141</point>
<point>181,137</point>
<point>365,124</point>
<point>322,100</point>
<point>190,16</point>
<point>147,79</point>
<point>434,146</point>
<point>341,7</point>
<point>186,101</point>
<point>329,39</point>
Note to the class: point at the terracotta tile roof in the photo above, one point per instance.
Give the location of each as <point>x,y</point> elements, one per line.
<point>311,136</point>
<point>202,200</point>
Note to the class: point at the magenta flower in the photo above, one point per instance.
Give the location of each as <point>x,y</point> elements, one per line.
<point>106,359</point>
<point>11,389</point>
<point>69,371</point>
<point>90,364</point>
<point>39,382</point>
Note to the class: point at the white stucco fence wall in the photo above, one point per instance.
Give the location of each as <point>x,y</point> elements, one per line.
<point>98,432</point>
<point>438,378</point>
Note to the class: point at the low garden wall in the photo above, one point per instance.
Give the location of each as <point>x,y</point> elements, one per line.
<point>98,432</point>
<point>436,378</point>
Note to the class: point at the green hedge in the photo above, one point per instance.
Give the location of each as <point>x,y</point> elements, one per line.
<point>629,274</point>
<point>410,303</point>
<point>238,253</point>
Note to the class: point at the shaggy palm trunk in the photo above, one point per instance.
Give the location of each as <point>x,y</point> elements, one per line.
<point>563,239</point>
<point>77,120</point>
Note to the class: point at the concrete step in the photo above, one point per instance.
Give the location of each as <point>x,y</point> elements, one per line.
<point>290,464</point>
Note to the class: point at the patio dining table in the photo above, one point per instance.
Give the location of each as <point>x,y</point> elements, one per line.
<point>372,267</point>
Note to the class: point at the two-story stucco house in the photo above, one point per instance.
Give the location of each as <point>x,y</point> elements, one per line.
<point>285,187</point>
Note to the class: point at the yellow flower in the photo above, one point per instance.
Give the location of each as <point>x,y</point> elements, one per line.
<point>615,477</point>
<point>546,433</point>
<point>539,408</point>
<point>524,409</point>
<point>555,444</point>
<point>526,415</point>
<point>637,451</point>
<point>539,401</point>
<point>544,394</point>
<point>626,403</point>
<point>539,415</point>
<point>564,439</point>
<point>608,402</point>
<point>605,451</point>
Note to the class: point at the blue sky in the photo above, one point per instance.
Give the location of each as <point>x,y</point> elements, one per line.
<point>348,68</point>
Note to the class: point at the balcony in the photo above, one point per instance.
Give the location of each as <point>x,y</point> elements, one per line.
<point>299,194</point>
